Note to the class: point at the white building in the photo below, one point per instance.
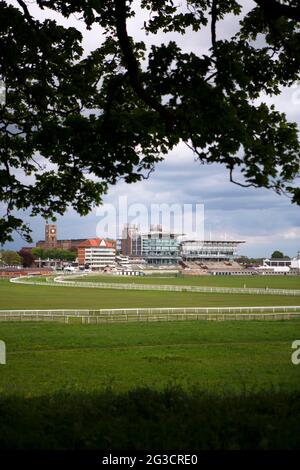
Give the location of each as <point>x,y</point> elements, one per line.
<point>97,254</point>
<point>295,263</point>
<point>275,266</point>
<point>280,265</point>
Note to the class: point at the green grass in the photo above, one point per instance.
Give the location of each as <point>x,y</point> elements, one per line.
<point>45,358</point>
<point>274,282</point>
<point>195,385</point>
<point>20,296</point>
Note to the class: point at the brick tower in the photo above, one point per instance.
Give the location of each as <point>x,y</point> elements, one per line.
<point>50,236</point>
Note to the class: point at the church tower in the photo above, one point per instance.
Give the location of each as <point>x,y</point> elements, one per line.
<point>50,235</point>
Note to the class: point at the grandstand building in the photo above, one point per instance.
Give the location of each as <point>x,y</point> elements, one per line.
<point>156,247</point>
<point>159,247</point>
<point>97,254</point>
<point>209,251</point>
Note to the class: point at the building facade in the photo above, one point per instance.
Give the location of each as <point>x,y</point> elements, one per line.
<point>280,265</point>
<point>160,248</point>
<point>51,240</point>
<point>209,250</point>
<point>97,254</point>
<point>51,235</point>
<point>131,244</point>
<point>156,247</point>
<point>295,264</point>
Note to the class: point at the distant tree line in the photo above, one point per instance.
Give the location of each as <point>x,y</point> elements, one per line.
<point>27,258</point>
<point>54,254</point>
<point>10,258</point>
<point>245,260</point>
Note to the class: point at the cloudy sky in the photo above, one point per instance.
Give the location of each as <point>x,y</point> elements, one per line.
<point>264,220</point>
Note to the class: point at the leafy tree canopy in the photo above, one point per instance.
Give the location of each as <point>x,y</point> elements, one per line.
<point>10,258</point>
<point>26,258</point>
<point>54,254</point>
<point>277,254</point>
<point>73,124</point>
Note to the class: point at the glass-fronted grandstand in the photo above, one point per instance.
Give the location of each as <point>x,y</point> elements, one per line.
<point>209,250</point>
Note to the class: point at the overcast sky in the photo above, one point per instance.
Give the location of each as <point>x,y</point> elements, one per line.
<point>264,220</point>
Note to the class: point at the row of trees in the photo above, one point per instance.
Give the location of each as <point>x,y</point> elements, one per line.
<point>245,260</point>
<point>27,258</point>
<point>10,258</point>
<point>53,254</point>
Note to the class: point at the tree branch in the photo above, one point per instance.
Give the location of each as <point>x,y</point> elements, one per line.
<point>133,66</point>
<point>243,185</point>
<point>214,11</point>
<point>26,13</point>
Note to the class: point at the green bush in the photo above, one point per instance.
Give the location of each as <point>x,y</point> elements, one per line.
<point>144,419</point>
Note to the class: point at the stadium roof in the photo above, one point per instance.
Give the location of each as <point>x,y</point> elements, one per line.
<point>208,242</point>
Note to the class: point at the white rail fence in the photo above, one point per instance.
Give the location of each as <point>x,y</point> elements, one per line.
<point>59,281</point>
<point>153,314</point>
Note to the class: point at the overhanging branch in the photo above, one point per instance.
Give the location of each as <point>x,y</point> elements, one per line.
<point>133,66</point>
<point>26,13</point>
<point>213,22</point>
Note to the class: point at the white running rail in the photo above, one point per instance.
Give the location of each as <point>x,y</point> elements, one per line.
<point>61,281</point>
<point>91,316</point>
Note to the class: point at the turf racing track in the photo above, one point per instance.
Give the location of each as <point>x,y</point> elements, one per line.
<point>67,282</point>
<point>89,316</point>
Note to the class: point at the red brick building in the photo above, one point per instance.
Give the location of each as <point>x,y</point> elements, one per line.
<point>51,240</point>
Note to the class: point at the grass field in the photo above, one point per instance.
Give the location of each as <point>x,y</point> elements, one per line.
<point>274,282</point>
<point>20,296</point>
<point>44,358</point>
<point>147,385</point>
